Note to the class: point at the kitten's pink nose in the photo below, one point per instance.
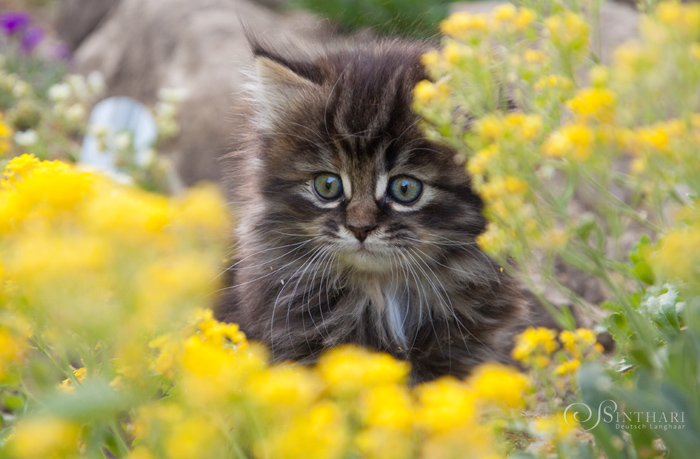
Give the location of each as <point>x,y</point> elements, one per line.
<point>360,232</point>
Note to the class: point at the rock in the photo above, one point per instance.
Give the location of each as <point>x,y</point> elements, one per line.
<point>79,18</point>
<point>618,23</point>
<point>197,45</point>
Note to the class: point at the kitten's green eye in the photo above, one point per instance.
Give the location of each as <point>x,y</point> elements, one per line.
<point>405,189</point>
<point>328,186</point>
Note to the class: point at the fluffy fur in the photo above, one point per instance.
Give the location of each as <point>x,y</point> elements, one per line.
<point>407,279</point>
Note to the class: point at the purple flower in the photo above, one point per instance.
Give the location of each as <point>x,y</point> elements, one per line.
<point>13,22</point>
<point>31,38</point>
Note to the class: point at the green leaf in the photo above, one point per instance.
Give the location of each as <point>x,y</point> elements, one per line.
<point>93,400</point>
<point>660,307</point>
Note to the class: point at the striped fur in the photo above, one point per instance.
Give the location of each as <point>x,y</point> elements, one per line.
<point>417,287</point>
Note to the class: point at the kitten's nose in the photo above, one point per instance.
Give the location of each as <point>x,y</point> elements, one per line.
<point>361,232</point>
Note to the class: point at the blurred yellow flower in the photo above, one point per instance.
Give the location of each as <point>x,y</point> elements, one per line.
<point>477,164</point>
<point>567,30</point>
<point>388,406</point>
<point>348,369</point>
<point>6,134</point>
<point>44,437</point>
<point>286,388</point>
<point>383,443</point>
<point>567,368</point>
<point>320,434</point>
<point>573,141</point>
<point>533,342</point>
<point>499,384</point>
<point>677,254</point>
<point>13,348</point>
<point>462,25</point>
<point>445,405</point>
<point>427,91</point>
<point>593,104</point>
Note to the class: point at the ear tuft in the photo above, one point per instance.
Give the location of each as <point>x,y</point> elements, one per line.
<point>281,78</point>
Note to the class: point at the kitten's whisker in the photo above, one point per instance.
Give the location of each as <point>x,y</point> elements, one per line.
<point>317,268</point>
<point>300,244</point>
<point>274,306</point>
<point>406,130</point>
<point>307,264</point>
<point>310,130</point>
<point>327,265</point>
<point>424,296</point>
<point>328,100</point>
<point>451,308</point>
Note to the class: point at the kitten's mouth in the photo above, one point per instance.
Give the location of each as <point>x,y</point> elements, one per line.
<point>366,259</point>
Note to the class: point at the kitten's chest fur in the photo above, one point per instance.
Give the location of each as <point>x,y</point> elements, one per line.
<point>440,325</point>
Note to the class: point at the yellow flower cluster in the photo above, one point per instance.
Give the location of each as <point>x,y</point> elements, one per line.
<point>574,141</point>
<point>471,27</point>
<point>568,31</point>
<point>6,134</point>
<point>353,400</point>
<point>86,260</point>
<point>538,348</point>
<point>677,256</point>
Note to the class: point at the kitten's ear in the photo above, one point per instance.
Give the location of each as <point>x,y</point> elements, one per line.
<point>279,80</point>
<point>284,82</point>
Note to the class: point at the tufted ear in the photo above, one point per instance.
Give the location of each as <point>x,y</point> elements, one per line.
<point>284,83</point>
<point>280,82</point>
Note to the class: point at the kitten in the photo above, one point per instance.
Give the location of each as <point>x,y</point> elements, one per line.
<point>353,227</point>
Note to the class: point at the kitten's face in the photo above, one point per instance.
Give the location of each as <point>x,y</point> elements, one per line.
<point>346,166</point>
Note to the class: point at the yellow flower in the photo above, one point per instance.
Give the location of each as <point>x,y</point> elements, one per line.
<point>320,434</point>
<point>285,388</point>
<point>6,134</point>
<point>534,56</point>
<point>348,369</point>
<point>660,136</point>
<point>489,127</point>
<point>427,91</point>
<point>383,443</point>
<point>462,25</point>
<point>679,18</point>
<point>219,333</point>
<point>504,15</point>
<point>527,127</point>
<point>13,348</point>
<point>44,437</point>
<point>525,17</point>
<point>534,341</point>
<point>567,30</point>
<point>568,367</point>
<point>445,405</point>
<point>503,186</point>
<point>194,436</point>
<point>593,103</point>
<point>477,164</point>
<point>677,256</point>
<point>499,384</point>
<point>67,384</point>
<point>573,141</point>
<point>388,406</point>
<point>202,210</point>
<point>557,426</point>
<point>554,81</point>
<point>455,52</point>
<point>430,59</point>
<point>19,167</point>
<point>494,240</point>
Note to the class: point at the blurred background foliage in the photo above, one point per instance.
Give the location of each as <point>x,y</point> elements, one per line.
<point>415,18</point>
